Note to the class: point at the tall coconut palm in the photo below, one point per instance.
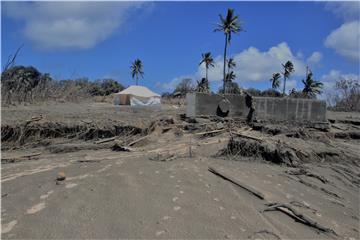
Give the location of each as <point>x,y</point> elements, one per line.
<point>288,70</point>
<point>275,80</point>
<point>311,86</point>
<point>137,70</point>
<point>209,62</point>
<point>228,25</point>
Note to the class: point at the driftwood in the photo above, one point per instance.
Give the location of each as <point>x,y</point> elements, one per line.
<point>237,183</point>
<point>288,210</point>
<point>19,158</point>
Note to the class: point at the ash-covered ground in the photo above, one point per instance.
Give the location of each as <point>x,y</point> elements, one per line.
<point>94,170</point>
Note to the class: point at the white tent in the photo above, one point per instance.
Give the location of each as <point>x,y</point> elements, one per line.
<point>137,96</point>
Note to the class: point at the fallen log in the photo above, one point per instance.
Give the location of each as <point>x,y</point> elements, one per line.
<point>288,210</point>
<point>237,183</point>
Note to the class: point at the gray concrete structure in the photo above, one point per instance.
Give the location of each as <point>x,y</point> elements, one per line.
<point>266,108</point>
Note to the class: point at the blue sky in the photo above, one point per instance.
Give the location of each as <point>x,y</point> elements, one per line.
<point>99,40</point>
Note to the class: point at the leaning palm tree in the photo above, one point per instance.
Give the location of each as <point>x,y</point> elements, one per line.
<point>311,86</point>
<point>209,62</point>
<point>137,69</point>
<point>288,70</point>
<point>228,25</point>
<point>275,80</point>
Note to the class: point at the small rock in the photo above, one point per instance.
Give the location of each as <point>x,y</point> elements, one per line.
<point>61,176</point>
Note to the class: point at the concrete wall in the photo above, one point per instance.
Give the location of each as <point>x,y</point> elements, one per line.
<point>198,104</point>
<point>290,109</point>
<point>266,108</point>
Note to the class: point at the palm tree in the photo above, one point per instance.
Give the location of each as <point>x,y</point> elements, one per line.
<point>209,62</point>
<point>231,64</point>
<point>275,80</point>
<point>288,70</point>
<point>228,25</point>
<point>137,69</point>
<point>311,86</point>
<point>230,76</point>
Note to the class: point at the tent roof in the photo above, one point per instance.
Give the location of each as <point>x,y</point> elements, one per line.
<point>139,91</point>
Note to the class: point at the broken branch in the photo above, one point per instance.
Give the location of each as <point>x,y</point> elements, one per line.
<point>237,183</point>
<point>288,210</point>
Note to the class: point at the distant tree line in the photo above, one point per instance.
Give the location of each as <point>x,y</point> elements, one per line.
<point>27,84</point>
<point>346,95</point>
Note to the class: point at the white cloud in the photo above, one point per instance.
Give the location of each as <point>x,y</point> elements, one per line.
<point>70,24</point>
<point>314,58</point>
<point>330,79</point>
<point>348,10</point>
<point>345,40</point>
<point>252,65</point>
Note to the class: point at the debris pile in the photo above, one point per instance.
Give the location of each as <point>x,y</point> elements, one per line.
<point>251,148</point>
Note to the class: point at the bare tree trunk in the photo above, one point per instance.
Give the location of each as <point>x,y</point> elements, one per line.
<point>206,76</point>
<point>284,85</point>
<point>224,70</point>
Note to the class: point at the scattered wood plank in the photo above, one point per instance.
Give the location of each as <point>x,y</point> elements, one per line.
<point>163,158</point>
<point>137,140</point>
<point>211,132</point>
<point>319,188</point>
<point>87,121</point>
<point>288,210</point>
<point>263,232</point>
<point>88,161</point>
<point>35,119</point>
<point>105,140</point>
<point>19,158</point>
<point>305,172</point>
<point>242,134</point>
<point>237,183</point>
